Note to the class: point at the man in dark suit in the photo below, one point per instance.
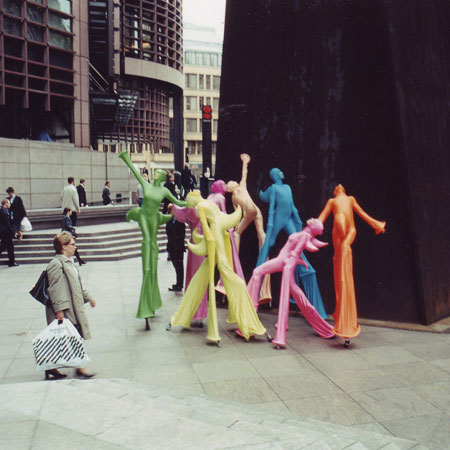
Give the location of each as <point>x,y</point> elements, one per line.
<point>176,232</point>
<point>82,192</point>
<point>16,211</point>
<point>7,233</point>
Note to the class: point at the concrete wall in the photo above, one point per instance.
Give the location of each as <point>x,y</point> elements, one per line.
<point>38,171</point>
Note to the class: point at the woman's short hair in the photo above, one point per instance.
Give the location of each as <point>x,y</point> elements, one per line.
<point>66,210</point>
<point>60,240</point>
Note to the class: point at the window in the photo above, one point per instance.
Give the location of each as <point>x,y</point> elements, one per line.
<point>61,5</point>
<point>35,33</point>
<point>191,125</point>
<point>208,101</point>
<point>200,102</point>
<point>201,82</point>
<point>12,7</point>
<point>35,14</point>
<point>191,103</point>
<point>56,21</point>
<point>214,59</point>
<point>208,82</point>
<point>215,126</point>
<point>191,81</point>
<point>190,58</point>
<point>191,147</point>
<point>60,40</point>
<point>198,59</point>
<point>215,104</point>
<point>12,26</point>
<point>216,83</point>
<point>206,59</point>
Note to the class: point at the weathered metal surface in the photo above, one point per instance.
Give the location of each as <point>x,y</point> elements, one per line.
<point>351,92</point>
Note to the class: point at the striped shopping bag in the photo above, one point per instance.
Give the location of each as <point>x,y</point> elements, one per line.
<point>59,345</point>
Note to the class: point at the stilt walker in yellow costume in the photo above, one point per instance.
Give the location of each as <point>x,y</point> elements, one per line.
<point>215,244</point>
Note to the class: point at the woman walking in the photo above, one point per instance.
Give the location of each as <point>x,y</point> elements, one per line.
<point>66,225</point>
<point>67,294</point>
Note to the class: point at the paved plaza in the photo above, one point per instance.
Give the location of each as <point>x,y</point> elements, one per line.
<point>160,389</point>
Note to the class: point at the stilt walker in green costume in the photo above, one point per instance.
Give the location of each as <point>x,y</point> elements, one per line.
<point>149,219</point>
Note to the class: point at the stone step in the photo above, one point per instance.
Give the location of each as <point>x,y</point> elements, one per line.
<point>132,415</point>
<point>217,410</point>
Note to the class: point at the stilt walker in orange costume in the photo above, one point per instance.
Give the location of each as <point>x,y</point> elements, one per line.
<point>344,233</point>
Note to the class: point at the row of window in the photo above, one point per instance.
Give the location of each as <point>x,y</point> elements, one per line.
<point>196,103</point>
<point>195,125</point>
<point>36,31</point>
<point>203,59</point>
<point>14,6</point>
<point>194,81</point>
<point>195,147</point>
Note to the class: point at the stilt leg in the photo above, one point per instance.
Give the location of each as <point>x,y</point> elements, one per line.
<point>147,324</point>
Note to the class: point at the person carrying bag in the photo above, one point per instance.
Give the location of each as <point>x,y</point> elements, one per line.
<point>67,294</point>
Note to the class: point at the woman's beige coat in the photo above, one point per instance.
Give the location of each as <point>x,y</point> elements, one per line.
<point>67,293</point>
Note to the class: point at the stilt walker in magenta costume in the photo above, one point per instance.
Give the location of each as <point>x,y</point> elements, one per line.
<point>217,196</point>
<point>286,262</point>
<point>189,216</point>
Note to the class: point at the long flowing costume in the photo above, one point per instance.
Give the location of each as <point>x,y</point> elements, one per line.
<point>283,215</point>
<point>287,260</point>
<point>190,217</point>
<point>217,196</point>
<point>149,219</point>
<point>250,213</point>
<point>215,245</point>
<point>344,233</point>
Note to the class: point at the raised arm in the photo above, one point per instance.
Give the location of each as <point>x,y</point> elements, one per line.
<point>245,161</point>
<point>127,160</point>
<point>377,225</point>
<point>326,211</point>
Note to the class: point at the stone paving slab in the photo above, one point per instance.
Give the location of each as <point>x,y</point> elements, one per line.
<point>386,383</point>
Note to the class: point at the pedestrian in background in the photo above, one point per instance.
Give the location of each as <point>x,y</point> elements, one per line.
<point>7,233</point>
<point>70,199</point>
<point>16,211</point>
<point>82,193</point>
<point>106,194</point>
<point>66,225</point>
<point>169,184</point>
<point>67,294</point>
<point>187,180</point>
<point>176,233</point>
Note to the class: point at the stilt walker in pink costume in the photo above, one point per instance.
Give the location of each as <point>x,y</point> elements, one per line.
<point>286,262</point>
<point>217,196</point>
<point>189,216</point>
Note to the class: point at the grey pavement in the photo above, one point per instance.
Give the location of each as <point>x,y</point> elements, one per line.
<point>160,389</point>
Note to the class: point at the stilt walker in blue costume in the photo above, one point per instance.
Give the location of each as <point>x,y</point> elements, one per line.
<point>283,215</point>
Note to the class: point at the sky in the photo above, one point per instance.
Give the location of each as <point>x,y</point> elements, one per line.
<point>205,12</point>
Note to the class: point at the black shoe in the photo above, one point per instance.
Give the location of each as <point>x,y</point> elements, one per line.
<point>176,288</point>
<point>54,374</point>
<point>81,374</point>
<point>14,264</point>
<point>81,262</point>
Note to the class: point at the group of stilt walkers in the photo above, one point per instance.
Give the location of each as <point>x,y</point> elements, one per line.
<point>215,242</point>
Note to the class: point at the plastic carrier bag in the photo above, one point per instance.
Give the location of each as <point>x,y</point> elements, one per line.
<point>25,225</point>
<point>59,345</point>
